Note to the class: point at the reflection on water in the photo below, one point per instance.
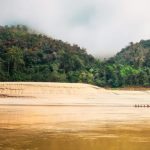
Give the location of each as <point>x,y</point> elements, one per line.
<point>74,128</point>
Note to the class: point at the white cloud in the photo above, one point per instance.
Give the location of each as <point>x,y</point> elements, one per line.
<point>101,26</point>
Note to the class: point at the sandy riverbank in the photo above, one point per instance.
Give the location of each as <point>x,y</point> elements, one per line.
<point>39,93</point>
<point>72,116</point>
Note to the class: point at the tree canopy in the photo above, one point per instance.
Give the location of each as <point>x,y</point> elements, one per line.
<point>29,56</point>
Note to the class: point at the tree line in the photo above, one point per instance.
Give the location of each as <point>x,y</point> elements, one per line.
<point>29,56</point>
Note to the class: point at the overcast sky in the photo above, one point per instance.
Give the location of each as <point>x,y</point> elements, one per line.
<point>103,27</point>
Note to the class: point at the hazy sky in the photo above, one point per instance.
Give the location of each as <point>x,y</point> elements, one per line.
<point>103,27</point>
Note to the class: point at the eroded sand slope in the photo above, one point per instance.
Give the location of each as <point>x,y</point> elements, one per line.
<point>39,93</point>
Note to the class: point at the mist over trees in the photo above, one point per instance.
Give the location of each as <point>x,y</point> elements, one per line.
<point>28,56</point>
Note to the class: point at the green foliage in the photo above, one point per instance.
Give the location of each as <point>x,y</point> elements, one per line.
<point>136,55</point>
<point>14,58</point>
<point>28,56</point>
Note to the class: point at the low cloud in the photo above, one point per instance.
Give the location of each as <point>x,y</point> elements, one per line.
<point>103,27</point>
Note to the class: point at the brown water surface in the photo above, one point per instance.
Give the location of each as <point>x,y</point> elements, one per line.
<point>74,127</point>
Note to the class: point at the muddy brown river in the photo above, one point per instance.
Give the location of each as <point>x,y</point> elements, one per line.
<point>74,127</point>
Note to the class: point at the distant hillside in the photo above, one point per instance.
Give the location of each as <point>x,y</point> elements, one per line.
<point>26,55</point>
<point>137,54</point>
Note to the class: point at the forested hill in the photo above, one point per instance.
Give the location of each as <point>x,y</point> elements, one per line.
<point>29,56</point>
<point>26,55</point>
<point>137,54</point>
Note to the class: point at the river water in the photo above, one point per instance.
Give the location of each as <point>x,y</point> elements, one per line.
<point>74,127</point>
